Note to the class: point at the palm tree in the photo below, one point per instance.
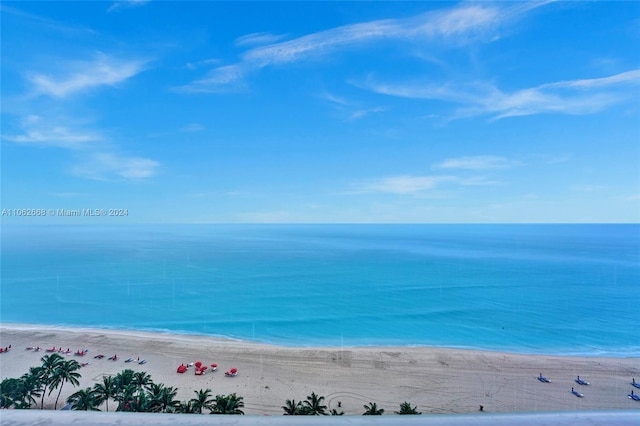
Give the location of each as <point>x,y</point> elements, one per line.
<point>124,378</point>
<point>141,403</point>
<point>202,400</point>
<point>49,364</point>
<point>405,408</point>
<point>21,393</point>
<point>291,407</point>
<point>168,398</point>
<point>32,385</point>
<point>372,410</point>
<point>66,372</point>
<point>124,389</point>
<point>182,408</point>
<point>12,394</point>
<point>106,389</point>
<point>154,392</point>
<point>228,404</point>
<point>125,397</point>
<point>141,379</point>
<point>85,399</point>
<point>314,405</point>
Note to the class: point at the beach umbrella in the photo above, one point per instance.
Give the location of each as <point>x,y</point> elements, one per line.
<point>233,370</point>
<point>198,364</point>
<point>214,365</point>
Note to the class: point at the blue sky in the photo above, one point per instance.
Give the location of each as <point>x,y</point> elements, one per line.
<point>197,112</point>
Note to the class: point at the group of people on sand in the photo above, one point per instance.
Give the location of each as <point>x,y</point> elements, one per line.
<point>5,349</point>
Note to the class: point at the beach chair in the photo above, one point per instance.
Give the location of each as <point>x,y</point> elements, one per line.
<point>582,382</point>
<point>543,379</point>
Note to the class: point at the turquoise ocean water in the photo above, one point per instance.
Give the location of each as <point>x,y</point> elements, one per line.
<point>554,289</point>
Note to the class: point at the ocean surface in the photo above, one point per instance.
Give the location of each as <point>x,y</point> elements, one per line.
<point>552,289</point>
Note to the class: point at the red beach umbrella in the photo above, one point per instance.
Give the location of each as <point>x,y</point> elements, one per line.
<point>198,364</point>
<point>214,365</point>
<point>234,370</point>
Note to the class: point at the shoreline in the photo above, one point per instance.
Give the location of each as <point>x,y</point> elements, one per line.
<point>437,380</point>
<point>227,339</point>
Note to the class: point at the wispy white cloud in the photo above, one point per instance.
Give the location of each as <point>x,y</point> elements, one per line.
<point>621,78</point>
<point>583,96</point>
<point>97,155</point>
<point>457,25</point>
<point>47,22</point>
<point>405,184</point>
<point>258,39</point>
<point>193,127</point>
<point>204,62</point>
<point>218,80</point>
<point>480,162</point>
<point>338,100</point>
<point>465,20</point>
<point>107,166</point>
<point>364,112</point>
<point>408,184</point>
<point>38,131</point>
<point>349,109</point>
<point>78,76</point>
<point>588,187</point>
<point>118,5</point>
<point>55,136</point>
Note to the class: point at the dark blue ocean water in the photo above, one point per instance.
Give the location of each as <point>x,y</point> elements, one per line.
<point>555,289</point>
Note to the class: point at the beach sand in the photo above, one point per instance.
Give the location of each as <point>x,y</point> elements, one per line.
<point>436,380</point>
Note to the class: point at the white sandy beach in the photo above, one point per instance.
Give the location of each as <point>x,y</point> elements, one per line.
<point>436,380</point>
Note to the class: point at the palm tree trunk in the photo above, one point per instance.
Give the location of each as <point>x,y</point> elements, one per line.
<point>55,407</point>
<point>44,391</point>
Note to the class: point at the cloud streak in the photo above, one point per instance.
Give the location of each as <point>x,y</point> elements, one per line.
<point>84,75</point>
<point>410,184</point>
<point>36,131</point>
<point>258,39</point>
<point>584,96</point>
<point>457,25</point>
<point>98,157</point>
<point>105,166</point>
<point>481,162</point>
<point>416,184</point>
<point>118,5</point>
